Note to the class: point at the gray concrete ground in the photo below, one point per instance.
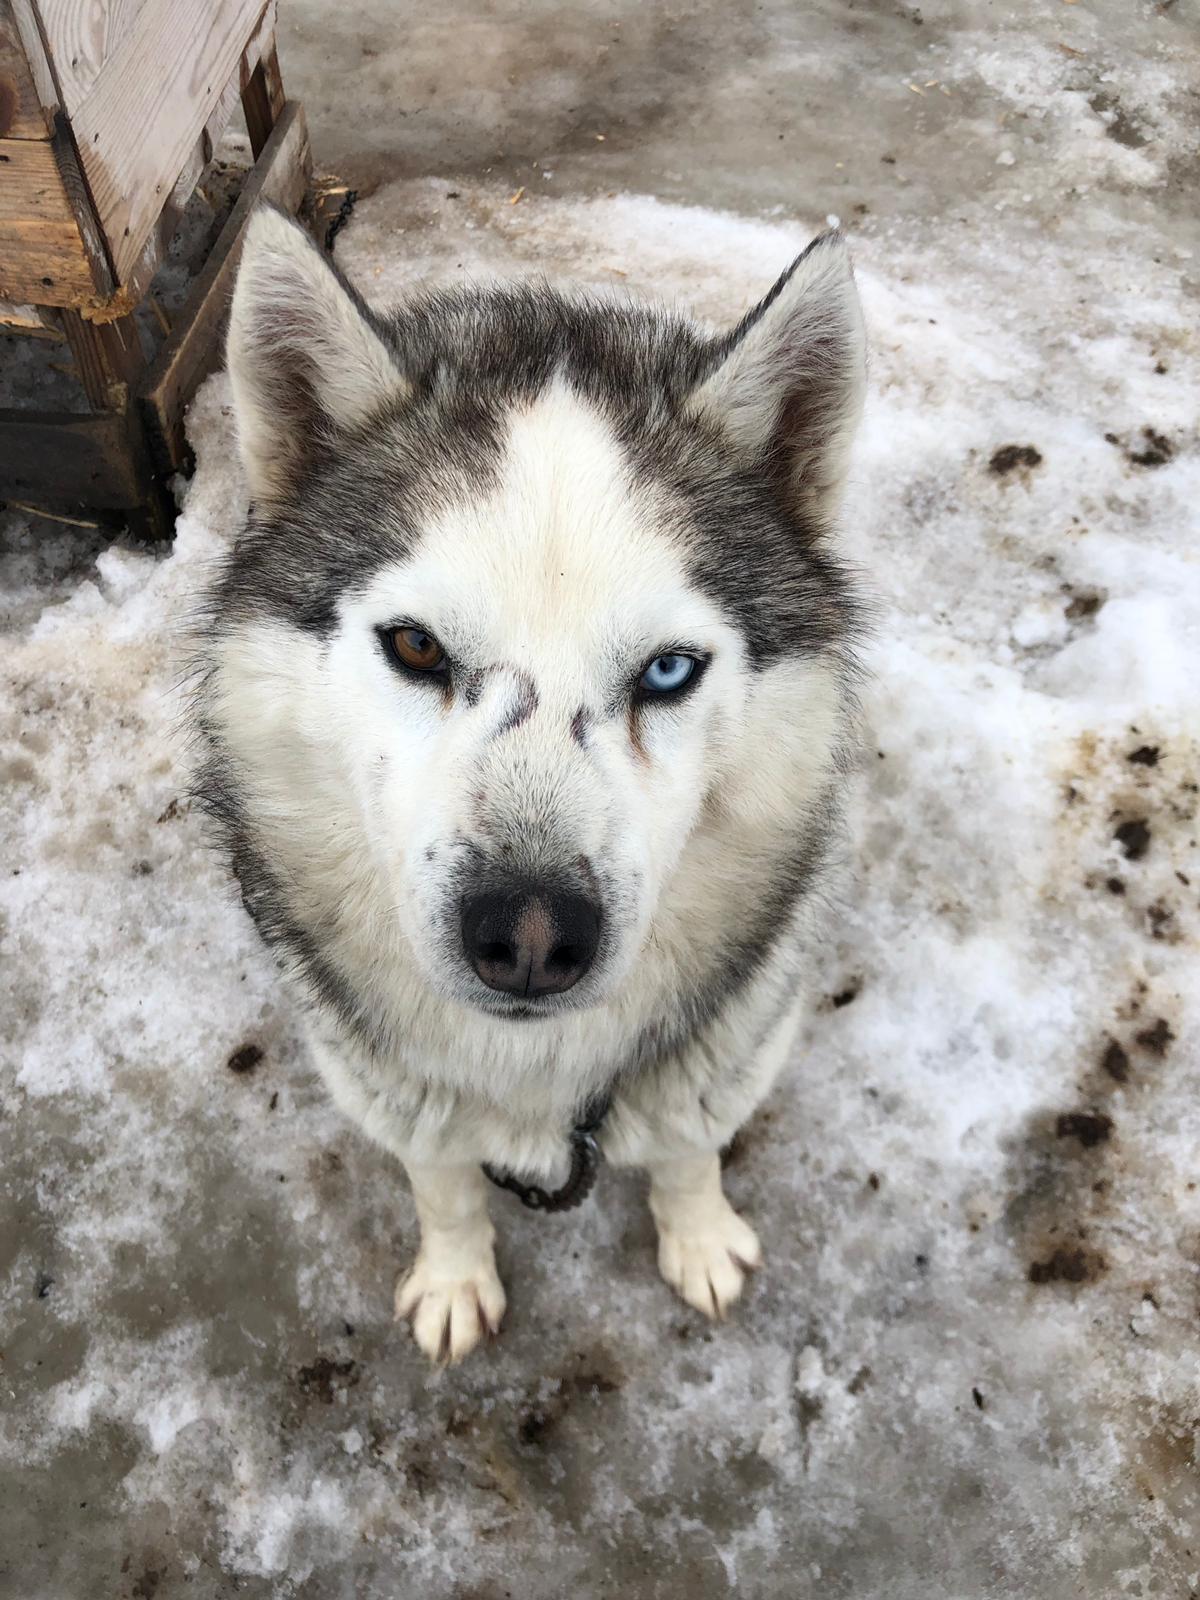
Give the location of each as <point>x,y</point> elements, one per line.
<point>969,1371</point>
<point>746,106</point>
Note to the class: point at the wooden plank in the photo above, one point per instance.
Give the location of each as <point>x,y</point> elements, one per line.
<point>108,357</point>
<point>82,36</point>
<point>66,461</point>
<point>193,349</point>
<point>43,258</point>
<point>130,295</point>
<point>57,461</point>
<point>66,157</point>
<point>29,33</point>
<point>263,99</point>
<point>20,105</point>
<point>231,98</point>
<point>166,74</point>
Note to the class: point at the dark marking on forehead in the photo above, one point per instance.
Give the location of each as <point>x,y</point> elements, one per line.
<point>523,704</point>
<point>580,723</point>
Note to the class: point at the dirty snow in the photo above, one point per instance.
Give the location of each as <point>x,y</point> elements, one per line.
<point>970,1367</point>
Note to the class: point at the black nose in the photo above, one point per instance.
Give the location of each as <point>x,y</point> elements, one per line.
<point>530,940</point>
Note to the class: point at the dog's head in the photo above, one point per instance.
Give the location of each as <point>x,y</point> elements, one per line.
<point>532,587</point>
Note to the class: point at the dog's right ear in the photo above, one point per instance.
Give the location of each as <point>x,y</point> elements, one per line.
<point>304,358</point>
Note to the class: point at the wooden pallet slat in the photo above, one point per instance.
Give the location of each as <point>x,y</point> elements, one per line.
<point>20,105</point>
<point>167,74</point>
<point>43,258</point>
<point>86,36</point>
<point>193,349</point>
<point>109,112</point>
<point>67,461</point>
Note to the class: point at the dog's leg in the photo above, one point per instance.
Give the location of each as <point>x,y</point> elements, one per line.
<point>704,1247</point>
<point>452,1294</point>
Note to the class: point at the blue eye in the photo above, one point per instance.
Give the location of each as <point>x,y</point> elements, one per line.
<point>667,674</point>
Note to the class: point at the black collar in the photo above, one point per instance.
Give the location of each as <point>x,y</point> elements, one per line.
<point>585,1161</point>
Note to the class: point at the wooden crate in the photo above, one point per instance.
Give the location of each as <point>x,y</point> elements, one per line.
<point>109,112</point>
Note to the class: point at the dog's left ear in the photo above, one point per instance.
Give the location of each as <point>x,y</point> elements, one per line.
<point>787,387</point>
<point>305,357</point>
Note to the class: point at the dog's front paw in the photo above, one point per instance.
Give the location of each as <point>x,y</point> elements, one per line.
<point>706,1259</point>
<point>451,1303</point>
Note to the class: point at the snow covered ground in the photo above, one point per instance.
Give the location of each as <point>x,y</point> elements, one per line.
<point>970,1366</point>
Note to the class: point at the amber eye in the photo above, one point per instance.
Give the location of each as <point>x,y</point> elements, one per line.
<point>415,648</point>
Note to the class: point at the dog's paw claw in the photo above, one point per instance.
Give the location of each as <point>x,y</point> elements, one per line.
<point>450,1314</point>
<point>707,1267</point>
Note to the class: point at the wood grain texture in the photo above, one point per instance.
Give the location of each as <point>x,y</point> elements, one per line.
<point>29,33</point>
<point>20,106</point>
<point>82,37</point>
<point>193,349</point>
<point>145,109</point>
<point>155,249</point>
<point>43,258</point>
<point>228,102</point>
<point>108,357</point>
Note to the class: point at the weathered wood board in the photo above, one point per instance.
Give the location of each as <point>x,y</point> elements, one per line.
<point>83,37</point>
<point>193,349</point>
<point>166,73</point>
<point>109,112</point>
<point>67,461</point>
<point>20,107</point>
<point>43,258</point>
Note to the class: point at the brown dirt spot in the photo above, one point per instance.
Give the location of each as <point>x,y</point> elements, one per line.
<point>324,1378</point>
<point>1069,1264</point>
<point>1082,604</point>
<point>1118,124</point>
<point>809,1408</point>
<point>245,1058</point>
<point>1146,755</point>
<point>1131,1008</point>
<point>1089,1127</point>
<point>1134,838</point>
<point>1115,1061</point>
<point>1157,452</point>
<point>1160,918</point>
<point>1060,1196</point>
<point>1011,456</point>
<point>593,1375</point>
<point>1157,1039</point>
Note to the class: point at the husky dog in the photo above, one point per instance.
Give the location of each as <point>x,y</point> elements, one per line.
<point>526,704</point>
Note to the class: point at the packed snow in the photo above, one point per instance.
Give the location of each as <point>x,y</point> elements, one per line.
<point>969,1366</point>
